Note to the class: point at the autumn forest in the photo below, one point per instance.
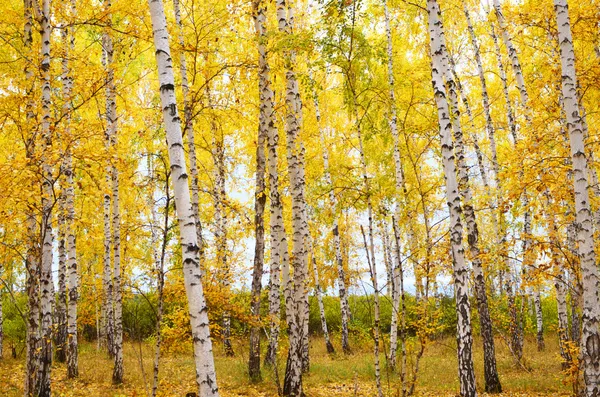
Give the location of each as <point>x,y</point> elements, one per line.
<point>299,198</point>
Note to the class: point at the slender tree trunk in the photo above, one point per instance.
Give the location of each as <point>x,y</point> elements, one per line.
<point>516,344</point>
<point>159,261</point>
<point>33,259</point>
<point>60,312</point>
<point>278,241</point>
<point>117,280</point>
<point>371,245</point>
<point>590,336</point>
<point>260,198</point>
<point>203,356</point>
<point>560,284</point>
<point>188,128</point>
<point>400,187</point>
<point>373,273</point>
<point>108,307</point>
<point>220,197</point>
<point>389,272</point>
<point>71,260</point>
<point>399,276</point>
<point>492,381</point>
<point>111,128</point>
<point>319,294</point>
<point>298,351</point>
<point>537,300</point>
<point>345,307</point>
<point>46,284</point>
<point>464,336</point>
<point>524,99</point>
<point>575,289</point>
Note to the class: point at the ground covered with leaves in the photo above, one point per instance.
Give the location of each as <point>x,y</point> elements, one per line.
<point>331,375</point>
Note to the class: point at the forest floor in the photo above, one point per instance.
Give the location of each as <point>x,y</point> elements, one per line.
<point>336,375</point>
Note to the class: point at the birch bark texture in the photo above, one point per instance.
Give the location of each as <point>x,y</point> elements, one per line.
<point>188,127</point>
<point>72,347</point>
<point>515,327</point>
<point>339,260</point>
<point>46,283</point>
<point>33,258</point>
<point>297,355</point>
<point>114,288</point>
<point>278,241</point>
<point>400,188</point>
<point>376,316</point>
<point>590,335</point>
<point>203,356</point>
<point>464,335</point>
<point>260,199</point>
<point>319,294</point>
<point>108,304</point>
<point>492,381</point>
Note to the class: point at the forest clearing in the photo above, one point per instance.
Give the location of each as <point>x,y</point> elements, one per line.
<point>299,198</point>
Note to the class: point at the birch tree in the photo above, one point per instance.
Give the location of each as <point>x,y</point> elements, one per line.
<point>279,258</point>
<point>110,118</point>
<point>188,128</point>
<point>590,335</point>
<point>203,356</point>
<point>492,382</point>
<point>114,291</point>
<point>260,196</point>
<point>376,316</point>
<point>466,372</point>
<point>33,255</point>
<point>319,295</point>
<point>516,330</point>
<point>71,346</point>
<point>342,288</point>
<point>159,254</point>
<point>299,259</point>
<point>400,187</point>
<point>42,12</point>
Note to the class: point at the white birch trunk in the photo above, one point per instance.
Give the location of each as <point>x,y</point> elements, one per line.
<point>492,381</point>
<point>560,285</point>
<point>399,276</point>
<point>345,307</point>
<point>33,258</point>
<point>203,355</point>
<point>373,272</point>
<point>220,197</point>
<point>278,242</point>
<point>111,132</point>
<point>539,319</point>
<point>464,336</point>
<point>189,132</point>
<point>60,312</point>
<point>117,280</point>
<point>516,344</point>
<point>524,99</point>
<point>108,304</point>
<point>260,197</point>
<point>71,254</point>
<point>46,283</point>
<point>319,294</point>
<point>298,351</point>
<point>159,262</point>
<point>400,188</point>
<point>590,336</point>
